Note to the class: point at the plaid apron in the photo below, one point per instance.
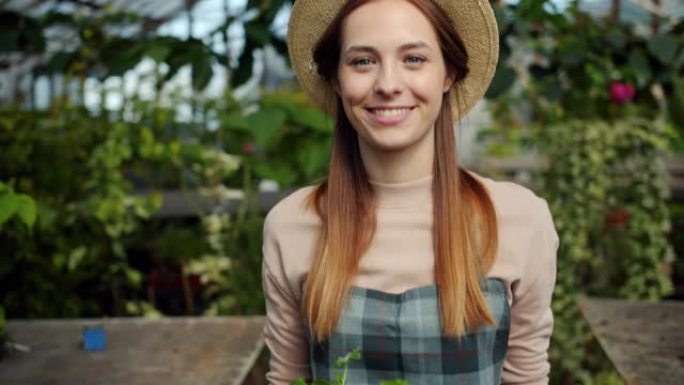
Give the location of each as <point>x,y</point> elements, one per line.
<point>400,338</point>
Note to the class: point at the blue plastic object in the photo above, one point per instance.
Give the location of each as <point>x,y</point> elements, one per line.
<point>94,338</point>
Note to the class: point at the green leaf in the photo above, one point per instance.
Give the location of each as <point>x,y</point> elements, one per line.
<point>121,55</point>
<point>280,172</point>
<point>313,157</point>
<point>158,53</point>
<point>151,204</point>
<point>75,258</point>
<point>201,72</point>
<point>58,62</point>
<point>9,40</point>
<point>503,80</point>
<point>532,11</point>
<point>393,382</point>
<point>133,277</point>
<point>312,118</point>
<point>159,49</point>
<point>243,72</point>
<point>62,19</point>
<point>675,109</point>
<point>663,47</point>
<point>501,21</point>
<point>265,123</point>
<point>617,39</point>
<point>680,61</point>
<point>20,33</point>
<point>346,359</point>
<point>235,121</point>
<point>271,9</point>
<point>638,62</point>
<point>281,47</point>
<point>572,51</point>
<point>186,52</point>
<point>26,209</point>
<point>118,250</point>
<point>258,33</point>
<point>8,206</point>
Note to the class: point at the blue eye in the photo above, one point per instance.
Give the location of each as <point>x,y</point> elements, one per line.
<point>362,62</point>
<point>415,60</point>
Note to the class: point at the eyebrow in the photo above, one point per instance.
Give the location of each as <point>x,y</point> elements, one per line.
<point>403,47</point>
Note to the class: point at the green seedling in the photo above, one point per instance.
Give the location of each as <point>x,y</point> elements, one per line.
<point>341,378</point>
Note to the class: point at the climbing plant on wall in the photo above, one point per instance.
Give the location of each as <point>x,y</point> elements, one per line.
<point>606,189</point>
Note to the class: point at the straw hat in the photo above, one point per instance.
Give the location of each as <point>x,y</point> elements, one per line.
<point>474,20</point>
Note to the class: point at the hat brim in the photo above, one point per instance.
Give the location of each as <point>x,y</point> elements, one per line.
<point>474,21</point>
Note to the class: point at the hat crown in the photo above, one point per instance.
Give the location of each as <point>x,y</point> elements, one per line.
<point>473,20</point>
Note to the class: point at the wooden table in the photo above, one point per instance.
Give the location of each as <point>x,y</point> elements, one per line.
<point>169,351</point>
<point>645,341</point>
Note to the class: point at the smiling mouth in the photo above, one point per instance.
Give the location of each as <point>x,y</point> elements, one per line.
<point>389,116</point>
<point>389,112</point>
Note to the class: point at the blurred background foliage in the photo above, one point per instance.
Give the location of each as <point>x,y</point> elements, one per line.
<point>600,102</point>
<point>87,190</point>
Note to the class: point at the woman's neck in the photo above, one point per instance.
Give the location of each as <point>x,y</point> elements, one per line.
<point>413,194</point>
<point>399,166</point>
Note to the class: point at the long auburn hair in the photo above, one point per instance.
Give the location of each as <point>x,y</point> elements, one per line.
<point>465,235</point>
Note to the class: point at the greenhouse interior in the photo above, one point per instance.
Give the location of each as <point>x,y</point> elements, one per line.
<point>144,142</point>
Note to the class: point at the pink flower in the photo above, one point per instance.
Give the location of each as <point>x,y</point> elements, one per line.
<point>249,148</point>
<point>621,93</point>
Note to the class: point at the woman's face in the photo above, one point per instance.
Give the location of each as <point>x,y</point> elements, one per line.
<point>391,75</point>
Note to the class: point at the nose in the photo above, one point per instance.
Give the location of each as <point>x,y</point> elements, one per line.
<point>388,82</point>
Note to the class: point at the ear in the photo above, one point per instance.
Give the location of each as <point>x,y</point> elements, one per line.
<point>448,82</point>
<point>335,85</point>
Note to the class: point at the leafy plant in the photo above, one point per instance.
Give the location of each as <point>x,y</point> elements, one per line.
<point>72,165</point>
<point>82,170</point>
<point>567,64</point>
<point>241,286</point>
<point>600,103</point>
<point>20,33</point>
<point>606,189</point>
<point>264,136</point>
<point>341,378</point>
<point>12,204</point>
<point>23,207</point>
<point>281,121</point>
<point>677,214</point>
<point>103,53</point>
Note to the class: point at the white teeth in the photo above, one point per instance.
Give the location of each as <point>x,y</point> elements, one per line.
<point>389,113</point>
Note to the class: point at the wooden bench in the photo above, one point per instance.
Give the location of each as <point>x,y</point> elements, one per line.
<point>169,351</point>
<point>644,340</point>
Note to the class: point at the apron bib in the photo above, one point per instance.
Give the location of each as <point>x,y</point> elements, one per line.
<point>400,337</point>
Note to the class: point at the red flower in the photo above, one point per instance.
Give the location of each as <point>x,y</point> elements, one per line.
<point>621,93</point>
<point>617,219</point>
<point>249,148</point>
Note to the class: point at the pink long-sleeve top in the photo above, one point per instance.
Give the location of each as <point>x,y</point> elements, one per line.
<point>401,257</point>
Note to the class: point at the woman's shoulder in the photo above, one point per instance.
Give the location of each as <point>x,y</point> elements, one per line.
<point>292,211</point>
<point>291,229</point>
<point>513,201</point>
<point>528,241</point>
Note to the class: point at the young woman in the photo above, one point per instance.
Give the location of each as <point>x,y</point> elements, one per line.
<point>438,275</point>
